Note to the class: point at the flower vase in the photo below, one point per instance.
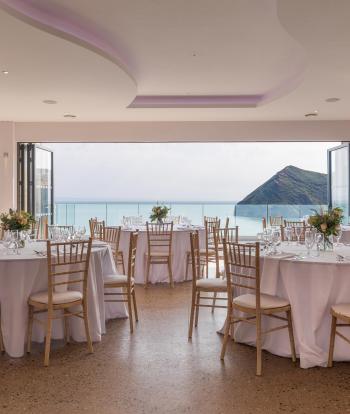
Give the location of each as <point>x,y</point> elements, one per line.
<point>327,244</point>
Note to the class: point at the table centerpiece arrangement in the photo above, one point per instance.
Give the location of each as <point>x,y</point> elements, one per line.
<point>159,213</point>
<point>327,222</point>
<point>19,221</point>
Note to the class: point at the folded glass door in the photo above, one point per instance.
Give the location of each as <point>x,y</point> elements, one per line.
<point>35,181</point>
<point>339,178</point>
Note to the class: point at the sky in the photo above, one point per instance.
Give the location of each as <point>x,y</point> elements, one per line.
<point>175,171</point>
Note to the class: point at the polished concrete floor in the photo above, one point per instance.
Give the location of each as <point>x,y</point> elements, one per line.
<point>158,371</point>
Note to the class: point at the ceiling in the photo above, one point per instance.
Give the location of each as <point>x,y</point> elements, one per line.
<point>165,60</point>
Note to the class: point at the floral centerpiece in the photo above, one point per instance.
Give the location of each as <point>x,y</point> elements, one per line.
<point>16,220</point>
<point>327,222</point>
<point>159,213</point>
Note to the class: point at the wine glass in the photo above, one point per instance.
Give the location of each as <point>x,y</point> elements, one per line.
<point>298,230</point>
<point>309,240</point>
<point>267,239</point>
<point>275,239</point>
<point>319,238</point>
<point>337,236</point>
<point>288,234</point>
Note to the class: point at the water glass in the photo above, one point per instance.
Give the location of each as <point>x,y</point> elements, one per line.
<point>288,234</point>
<point>298,230</point>
<point>337,236</point>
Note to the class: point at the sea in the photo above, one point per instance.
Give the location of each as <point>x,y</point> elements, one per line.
<point>247,217</point>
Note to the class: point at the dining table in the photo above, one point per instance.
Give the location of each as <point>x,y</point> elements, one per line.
<point>180,248</point>
<point>312,284</point>
<point>25,272</point>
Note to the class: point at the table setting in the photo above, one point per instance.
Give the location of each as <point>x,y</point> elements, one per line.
<point>23,271</point>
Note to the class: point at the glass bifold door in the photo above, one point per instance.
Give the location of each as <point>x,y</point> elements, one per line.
<point>35,181</point>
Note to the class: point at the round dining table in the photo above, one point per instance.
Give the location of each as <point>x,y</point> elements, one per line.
<point>26,273</point>
<point>159,272</point>
<point>312,285</point>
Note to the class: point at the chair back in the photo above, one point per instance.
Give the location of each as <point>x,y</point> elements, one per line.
<point>159,237</point>
<point>210,229</point>
<point>276,221</point>
<point>293,225</point>
<point>228,233</point>
<point>174,219</point>
<point>212,220</point>
<point>195,258</point>
<point>264,225</point>
<point>242,269</point>
<point>132,254</point>
<point>227,222</point>
<point>52,230</point>
<point>96,228</point>
<point>68,264</point>
<point>111,235</point>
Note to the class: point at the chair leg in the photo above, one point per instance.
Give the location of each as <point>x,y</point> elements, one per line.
<point>193,302</point>
<point>2,348</point>
<point>197,309</point>
<point>291,335</point>
<point>87,330</point>
<point>122,261</point>
<point>331,341</point>
<point>135,305</point>
<point>128,294</point>
<point>258,346</point>
<point>66,326</point>
<point>30,328</point>
<point>147,271</point>
<point>48,338</point>
<point>214,302</point>
<point>187,265</point>
<point>170,272</point>
<point>227,332</point>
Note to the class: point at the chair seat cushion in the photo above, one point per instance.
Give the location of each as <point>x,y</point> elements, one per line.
<point>117,279</point>
<point>266,301</point>
<point>58,297</point>
<point>216,283</point>
<point>342,309</point>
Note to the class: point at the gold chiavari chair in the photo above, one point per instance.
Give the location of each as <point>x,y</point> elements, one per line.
<point>210,253</point>
<point>125,282</point>
<point>111,235</point>
<point>68,264</point>
<point>293,225</point>
<point>96,228</point>
<point>201,286</point>
<point>50,229</point>
<point>276,221</point>
<point>242,268</point>
<point>339,312</point>
<point>159,242</point>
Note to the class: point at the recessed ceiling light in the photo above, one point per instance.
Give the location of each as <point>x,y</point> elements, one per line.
<point>49,101</point>
<point>332,99</point>
<point>69,116</point>
<point>5,72</point>
<point>310,114</point>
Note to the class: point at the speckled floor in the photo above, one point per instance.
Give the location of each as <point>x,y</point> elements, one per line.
<point>158,371</point>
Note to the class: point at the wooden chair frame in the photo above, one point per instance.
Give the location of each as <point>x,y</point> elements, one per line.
<point>334,333</point>
<point>128,288</point>
<point>276,221</point>
<point>111,235</point>
<point>159,247</point>
<point>198,290</point>
<point>76,257</point>
<point>293,225</point>
<point>242,268</point>
<point>96,228</point>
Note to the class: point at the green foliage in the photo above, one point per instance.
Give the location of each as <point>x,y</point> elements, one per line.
<point>159,213</point>
<point>16,220</point>
<point>327,222</point>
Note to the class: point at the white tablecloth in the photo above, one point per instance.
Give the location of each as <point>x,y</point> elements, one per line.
<point>22,275</point>
<point>312,286</point>
<point>159,272</point>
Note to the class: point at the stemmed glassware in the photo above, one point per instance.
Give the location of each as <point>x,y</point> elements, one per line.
<point>319,239</point>
<point>276,239</point>
<point>298,230</point>
<point>309,240</point>
<point>267,235</point>
<point>337,237</point>
<point>288,234</point>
